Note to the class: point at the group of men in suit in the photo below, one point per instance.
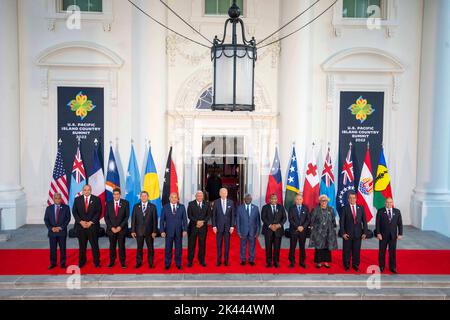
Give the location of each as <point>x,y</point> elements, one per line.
<point>224,216</point>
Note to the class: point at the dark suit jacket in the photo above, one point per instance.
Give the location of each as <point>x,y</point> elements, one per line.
<point>248,225</point>
<point>389,230</point>
<point>93,214</point>
<point>122,218</point>
<point>63,220</point>
<point>144,225</point>
<point>268,218</point>
<point>196,214</point>
<point>296,221</point>
<point>347,224</point>
<point>220,220</point>
<point>172,224</point>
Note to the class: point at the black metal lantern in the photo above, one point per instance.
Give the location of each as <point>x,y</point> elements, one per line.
<point>234,68</point>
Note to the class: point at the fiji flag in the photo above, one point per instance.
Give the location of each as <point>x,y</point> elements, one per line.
<point>327,181</point>
<point>133,183</point>
<point>275,183</point>
<point>78,179</point>
<point>346,182</point>
<point>151,183</point>
<point>112,176</point>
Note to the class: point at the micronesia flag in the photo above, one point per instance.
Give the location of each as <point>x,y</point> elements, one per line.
<point>151,183</point>
<point>133,182</point>
<point>327,181</point>
<point>78,179</point>
<point>112,176</point>
<point>275,183</point>
<point>346,182</point>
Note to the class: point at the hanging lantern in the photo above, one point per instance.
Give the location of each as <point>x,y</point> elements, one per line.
<point>234,68</point>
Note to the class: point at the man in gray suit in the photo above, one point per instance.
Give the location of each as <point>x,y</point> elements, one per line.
<point>248,223</point>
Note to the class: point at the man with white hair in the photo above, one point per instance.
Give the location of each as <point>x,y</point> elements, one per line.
<point>198,213</point>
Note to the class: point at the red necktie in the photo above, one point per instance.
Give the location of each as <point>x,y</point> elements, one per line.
<point>354,214</point>
<point>86,204</point>
<point>57,214</point>
<point>117,209</point>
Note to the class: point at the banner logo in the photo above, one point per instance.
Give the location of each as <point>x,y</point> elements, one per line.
<point>361,109</point>
<point>81,105</point>
<point>366,186</point>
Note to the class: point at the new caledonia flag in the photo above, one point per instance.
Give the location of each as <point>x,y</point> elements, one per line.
<point>292,186</point>
<point>151,183</point>
<point>275,183</point>
<point>382,184</point>
<point>170,180</point>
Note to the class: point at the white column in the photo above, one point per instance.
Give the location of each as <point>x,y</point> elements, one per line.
<point>431,199</point>
<point>12,198</point>
<point>149,82</point>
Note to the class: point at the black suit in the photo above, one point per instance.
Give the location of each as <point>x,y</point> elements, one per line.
<point>351,248</point>
<point>93,215</point>
<point>113,221</point>
<point>195,214</point>
<point>273,239</point>
<point>60,237</point>
<point>223,221</point>
<point>144,224</point>
<point>298,218</point>
<point>389,228</point>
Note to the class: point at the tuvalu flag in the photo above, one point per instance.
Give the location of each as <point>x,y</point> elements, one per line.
<point>365,188</point>
<point>170,180</point>
<point>292,186</point>
<point>382,183</point>
<point>275,183</point>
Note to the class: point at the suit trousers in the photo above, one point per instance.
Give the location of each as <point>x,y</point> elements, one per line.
<point>250,242</point>
<point>351,249</point>
<point>384,244</point>
<point>114,240</point>
<point>223,237</point>
<point>54,242</point>
<point>299,238</point>
<point>197,234</point>
<point>91,235</point>
<point>272,243</point>
<point>140,249</point>
<point>176,239</point>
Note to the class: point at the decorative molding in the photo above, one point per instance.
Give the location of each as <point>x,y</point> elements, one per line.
<point>55,14</point>
<point>177,46</point>
<point>388,21</point>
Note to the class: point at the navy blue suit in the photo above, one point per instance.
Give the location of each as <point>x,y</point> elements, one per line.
<point>223,221</point>
<point>298,217</point>
<point>173,225</point>
<point>56,238</point>
<point>248,225</point>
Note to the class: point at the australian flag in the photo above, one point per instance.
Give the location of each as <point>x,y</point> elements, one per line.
<point>112,176</point>
<point>346,182</point>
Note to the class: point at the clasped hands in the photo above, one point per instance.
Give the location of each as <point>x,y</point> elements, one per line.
<point>86,224</point>
<point>274,227</point>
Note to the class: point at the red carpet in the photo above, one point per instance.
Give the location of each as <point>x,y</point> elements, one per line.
<point>36,261</point>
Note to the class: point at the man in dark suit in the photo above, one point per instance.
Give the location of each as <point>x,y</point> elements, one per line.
<point>116,218</point>
<point>223,219</point>
<point>87,210</point>
<point>173,227</point>
<point>144,227</point>
<point>298,225</point>
<point>353,228</point>
<point>388,229</point>
<point>57,218</point>
<point>248,224</point>
<point>273,217</point>
<point>198,214</point>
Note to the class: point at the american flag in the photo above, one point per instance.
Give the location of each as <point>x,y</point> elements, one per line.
<point>59,182</point>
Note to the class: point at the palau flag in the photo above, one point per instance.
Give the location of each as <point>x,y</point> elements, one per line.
<point>327,182</point>
<point>133,183</point>
<point>78,179</point>
<point>151,183</point>
<point>382,184</point>
<point>292,186</point>
<point>275,183</point>
<point>112,176</point>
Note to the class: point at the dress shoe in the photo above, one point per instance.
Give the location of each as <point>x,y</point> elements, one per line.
<point>50,267</point>
<point>268,265</point>
<point>226,263</point>
<point>98,266</point>
<point>381,269</point>
<point>166,267</point>
<point>327,266</point>
<point>189,264</point>
<point>218,263</point>
<point>318,265</point>
<point>150,265</point>
<point>394,271</point>
<point>203,264</point>
<point>276,265</point>
<point>81,265</point>
<point>111,265</point>
<point>291,265</point>
<point>346,268</point>
<point>63,266</point>
<point>252,263</point>
<point>243,263</point>
<point>138,265</point>
<point>124,266</point>
<point>179,267</point>
<point>356,268</point>
<point>303,265</point>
